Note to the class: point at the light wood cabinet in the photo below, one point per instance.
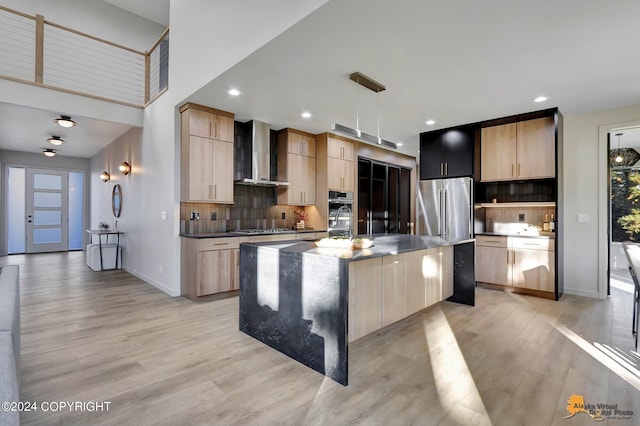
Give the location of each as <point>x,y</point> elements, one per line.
<point>207,155</point>
<point>340,165</point>
<point>207,124</point>
<point>209,266</point>
<point>447,272</point>
<point>297,165</point>
<point>365,297</point>
<point>522,150</point>
<point>515,261</point>
<point>394,288</point>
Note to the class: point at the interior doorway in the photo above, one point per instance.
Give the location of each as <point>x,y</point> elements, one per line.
<point>624,202</point>
<point>44,210</point>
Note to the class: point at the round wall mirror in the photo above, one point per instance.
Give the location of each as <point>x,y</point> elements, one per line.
<point>116,200</point>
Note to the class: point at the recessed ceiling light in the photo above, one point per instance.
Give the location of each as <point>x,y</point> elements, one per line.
<point>431,122</point>
<point>49,152</point>
<point>306,114</point>
<point>540,99</point>
<point>55,140</point>
<point>65,121</point>
<point>234,92</point>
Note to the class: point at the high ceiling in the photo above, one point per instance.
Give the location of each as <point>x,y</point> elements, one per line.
<point>454,62</point>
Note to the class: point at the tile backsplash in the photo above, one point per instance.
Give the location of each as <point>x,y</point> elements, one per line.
<point>255,207</point>
<point>507,220</point>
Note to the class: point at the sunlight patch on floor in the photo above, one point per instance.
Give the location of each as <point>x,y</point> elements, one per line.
<point>453,380</point>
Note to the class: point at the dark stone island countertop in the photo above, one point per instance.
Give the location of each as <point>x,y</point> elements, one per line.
<point>383,245</point>
<point>238,234</point>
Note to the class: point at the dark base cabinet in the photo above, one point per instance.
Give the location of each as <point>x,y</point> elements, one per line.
<point>464,274</point>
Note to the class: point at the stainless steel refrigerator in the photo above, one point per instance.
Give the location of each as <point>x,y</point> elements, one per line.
<point>445,207</point>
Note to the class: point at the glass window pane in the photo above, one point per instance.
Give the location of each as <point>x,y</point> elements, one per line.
<point>47,199</point>
<point>16,210</point>
<point>47,235</point>
<point>47,217</point>
<point>47,181</point>
<point>75,210</point>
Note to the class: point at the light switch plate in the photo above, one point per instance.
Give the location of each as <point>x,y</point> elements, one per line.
<point>583,218</point>
<point>164,215</point>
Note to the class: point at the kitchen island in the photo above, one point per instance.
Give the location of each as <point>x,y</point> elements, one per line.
<point>310,302</point>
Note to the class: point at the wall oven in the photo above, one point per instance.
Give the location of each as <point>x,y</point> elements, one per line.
<point>340,214</point>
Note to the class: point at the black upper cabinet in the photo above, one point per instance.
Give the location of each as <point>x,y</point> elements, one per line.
<point>447,153</point>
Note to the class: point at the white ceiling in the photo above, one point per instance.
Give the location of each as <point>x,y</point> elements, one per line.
<point>455,62</point>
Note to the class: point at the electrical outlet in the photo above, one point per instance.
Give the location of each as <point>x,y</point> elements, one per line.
<point>214,215</point>
<point>583,218</point>
<point>195,216</point>
<point>521,217</point>
<point>283,216</point>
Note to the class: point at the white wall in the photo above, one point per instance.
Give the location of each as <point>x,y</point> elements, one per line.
<point>584,188</point>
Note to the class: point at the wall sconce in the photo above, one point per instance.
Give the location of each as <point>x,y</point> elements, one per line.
<point>125,168</point>
<point>65,121</point>
<point>105,176</point>
<point>55,140</point>
<point>49,152</point>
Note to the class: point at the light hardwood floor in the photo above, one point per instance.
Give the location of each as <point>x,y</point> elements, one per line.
<point>511,359</point>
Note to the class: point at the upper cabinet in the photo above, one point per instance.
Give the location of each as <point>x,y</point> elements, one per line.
<point>447,153</point>
<point>520,150</point>
<point>297,165</point>
<point>340,165</point>
<point>207,155</point>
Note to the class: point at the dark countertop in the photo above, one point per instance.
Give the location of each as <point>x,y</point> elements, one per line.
<point>500,234</point>
<point>383,245</point>
<point>235,234</point>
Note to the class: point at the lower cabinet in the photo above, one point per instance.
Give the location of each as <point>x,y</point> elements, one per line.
<point>385,290</point>
<point>209,266</point>
<point>516,261</point>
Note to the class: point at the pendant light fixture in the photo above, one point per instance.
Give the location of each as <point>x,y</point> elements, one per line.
<point>363,80</point>
<point>622,157</point>
<point>65,121</point>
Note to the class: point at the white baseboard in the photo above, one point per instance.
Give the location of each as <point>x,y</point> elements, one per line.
<point>580,292</point>
<point>153,282</point>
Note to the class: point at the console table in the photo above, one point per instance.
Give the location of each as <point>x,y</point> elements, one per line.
<point>100,233</point>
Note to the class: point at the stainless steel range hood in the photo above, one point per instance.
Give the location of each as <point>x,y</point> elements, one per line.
<point>256,143</point>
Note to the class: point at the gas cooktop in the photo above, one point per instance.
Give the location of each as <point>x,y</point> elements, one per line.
<point>261,231</point>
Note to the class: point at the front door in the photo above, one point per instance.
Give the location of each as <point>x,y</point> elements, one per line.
<point>47,210</point>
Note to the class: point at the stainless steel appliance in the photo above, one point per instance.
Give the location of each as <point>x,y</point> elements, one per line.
<point>340,213</point>
<point>445,207</point>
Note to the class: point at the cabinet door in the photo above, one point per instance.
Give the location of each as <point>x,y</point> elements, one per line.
<point>365,297</point>
<point>431,155</point>
<point>301,144</point>
<point>498,153</point>
<point>200,123</point>
<point>216,268</point>
<point>416,280</point>
<point>223,128</point>
<point>536,148</point>
<point>308,180</point>
<point>221,166</point>
<point>431,269</point>
<point>447,267</point>
<point>458,152</point>
<point>341,149</point>
<point>340,174</point>
<point>534,269</point>
<point>235,269</point>
<point>394,289</point>
<point>200,170</point>
<point>492,265</point>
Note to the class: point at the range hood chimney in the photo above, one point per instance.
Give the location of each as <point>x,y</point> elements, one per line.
<point>253,154</point>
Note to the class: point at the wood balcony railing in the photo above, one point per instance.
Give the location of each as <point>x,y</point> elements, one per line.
<point>39,52</point>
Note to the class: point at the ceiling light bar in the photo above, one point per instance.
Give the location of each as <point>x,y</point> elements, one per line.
<point>358,134</point>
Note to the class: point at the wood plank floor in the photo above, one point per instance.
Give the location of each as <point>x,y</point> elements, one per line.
<point>512,359</point>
